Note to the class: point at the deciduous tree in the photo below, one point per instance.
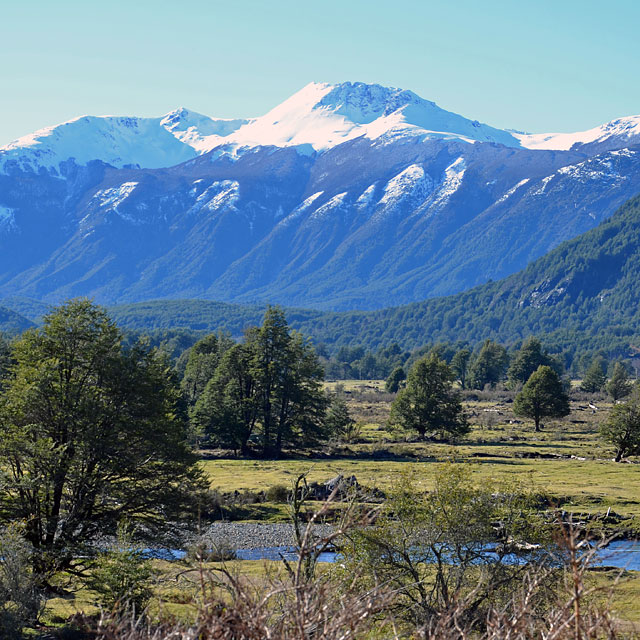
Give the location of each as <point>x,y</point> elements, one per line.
<point>90,434</point>
<point>622,428</point>
<point>228,409</point>
<point>204,358</point>
<point>619,385</point>
<point>394,380</point>
<point>595,377</point>
<point>543,395</point>
<point>5,356</point>
<point>488,366</point>
<point>460,365</point>
<point>429,403</point>
<point>442,550</point>
<point>528,358</point>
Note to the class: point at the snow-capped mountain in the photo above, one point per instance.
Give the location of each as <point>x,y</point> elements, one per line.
<point>616,134</point>
<point>320,116</point>
<point>325,115</point>
<point>117,141</point>
<point>343,196</point>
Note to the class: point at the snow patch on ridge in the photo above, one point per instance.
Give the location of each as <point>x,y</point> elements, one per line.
<point>405,192</point>
<point>307,202</point>
<point>543,185</point>
<point>451,182</point>
<point>365,199</point>
<point>593,169</point>
<point>511,191</point>
<point>305,205</point>
<point>227,196</point>
<point>622,128</point>
<point>334,203</point>
<point>412,181</point>
<point>218,195</point>
<point>114,196</point>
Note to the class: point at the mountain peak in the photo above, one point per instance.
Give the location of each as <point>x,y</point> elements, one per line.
<point>363,103</point>
<point>324,115</point>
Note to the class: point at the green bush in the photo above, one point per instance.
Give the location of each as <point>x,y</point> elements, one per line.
<point>277,493</point>
<point>122,576</point>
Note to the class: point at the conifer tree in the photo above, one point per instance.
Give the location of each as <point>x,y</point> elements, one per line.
<point>619,385</point>
<point>595,377</point>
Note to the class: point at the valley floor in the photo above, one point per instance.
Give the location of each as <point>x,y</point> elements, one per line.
<point>566,464</point>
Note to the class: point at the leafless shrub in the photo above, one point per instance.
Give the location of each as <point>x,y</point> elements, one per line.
<point>304,604</point>
<point>575,614</point>
<point>297,604</point>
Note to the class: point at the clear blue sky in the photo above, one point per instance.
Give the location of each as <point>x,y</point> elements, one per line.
<point>539,65</point>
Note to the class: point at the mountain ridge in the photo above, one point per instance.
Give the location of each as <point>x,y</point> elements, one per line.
<point>360,220</point>
<point>320,115</point>
<point>580,296</point>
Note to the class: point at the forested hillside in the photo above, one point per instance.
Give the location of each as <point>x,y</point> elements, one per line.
<point>12,322</point>
<point>581,296</point>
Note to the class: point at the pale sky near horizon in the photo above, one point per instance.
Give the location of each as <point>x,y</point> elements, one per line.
<point>540,66</point>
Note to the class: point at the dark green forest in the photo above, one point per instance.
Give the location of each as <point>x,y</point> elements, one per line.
<point>581,297</point>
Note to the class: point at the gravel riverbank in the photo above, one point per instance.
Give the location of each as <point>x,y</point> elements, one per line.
<point>256,535</point>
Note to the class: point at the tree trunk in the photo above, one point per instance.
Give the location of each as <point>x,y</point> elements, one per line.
<point>619,455</point>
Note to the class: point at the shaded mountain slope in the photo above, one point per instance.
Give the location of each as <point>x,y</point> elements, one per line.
<point>583,294</point>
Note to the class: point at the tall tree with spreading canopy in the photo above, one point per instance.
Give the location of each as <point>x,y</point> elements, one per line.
<point>429,403</point>
<point>228,409</point>
<point>90,434</point>
<point>542,396</point>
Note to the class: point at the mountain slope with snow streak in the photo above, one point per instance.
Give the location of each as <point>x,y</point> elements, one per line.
<point>345,196</point>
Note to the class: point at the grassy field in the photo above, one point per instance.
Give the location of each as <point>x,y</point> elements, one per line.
<point>567,460</point>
